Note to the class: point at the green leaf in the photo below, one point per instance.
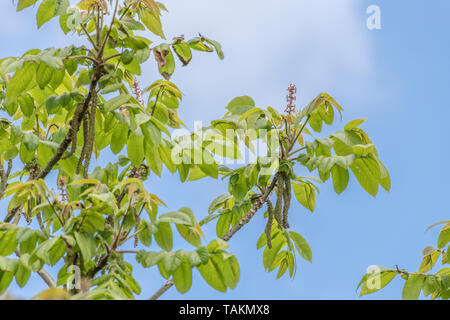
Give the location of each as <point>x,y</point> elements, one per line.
<point>57,251</point>
<point>27,241</point>
<point>111,88</point>
<point>117,102</point>
<point>26,103</point>
<point>223,224</point>
<point>177,217</point>
<point>340,178</point>
<point>217,245</point>
<point>52,104</point>
<point>164,236</point>
<point>5,280</point>
<point>25,154</point>
<point>22,275</point>
<point>269,255</point>
<point>190,234</point>
<point>171,261</point>
<point>165,60</point>
<point>210,272</point>
<point>282,269</point>
<point>385,179</point>
<point>354,124</point>
<point>142,55</point>
<point>363,174</point>
<point>22,4</point>
<point>208,165</point>
<point>20,81</point>
<point>43,75</point>
<point>240,105</point>
<point>216,46</point>
<point>31,141</point>
<point>61,7</point>
<point>349,138</point>
<point>45,12</point>
<point>153,158</point>
<point>377,280</point>
<point>183,51</point>
<point>182,277</point>
<point>304,193</point>
<point>198,44</point>
<point>145,236</point>
<point>444,236</point>
<point>301,245</point>
<point>135,149</point>
<point>363,149</point>
<point>8,265</point>
<point>87,245</point>
<point>315,122</point>
<point>413,286</point>
<point>149,259</point>
<point>430,257</point>
<point>8,242</point>
<point>152,21</point>
<point>127,56</point>
<point>119,137</point>
<point>231,272</point>
<point>218,202</point>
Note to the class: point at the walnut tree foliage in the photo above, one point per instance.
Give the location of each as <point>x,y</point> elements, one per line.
<point>433,285</point>
<point>62,106</point>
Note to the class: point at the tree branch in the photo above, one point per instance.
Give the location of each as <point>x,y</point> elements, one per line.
<point>162,290</point>
<point>78,116</point>
<point>72,131</point>
<point>4,176</point>
<point>47,278</point>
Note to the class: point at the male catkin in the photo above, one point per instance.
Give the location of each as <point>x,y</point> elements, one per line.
<point>287,200</point>
<point>279,203</point>
<point>269,224</point>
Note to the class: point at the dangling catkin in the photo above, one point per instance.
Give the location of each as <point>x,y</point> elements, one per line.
<point>269,224</point>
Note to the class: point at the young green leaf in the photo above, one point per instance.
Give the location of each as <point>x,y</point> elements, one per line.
<point>182,277</point>
<point>135,149</point>
<point>45,12</point>
<point>413,286</point>
<point>301,245</point>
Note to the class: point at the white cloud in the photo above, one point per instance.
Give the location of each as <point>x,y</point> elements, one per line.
<point>267,45</point>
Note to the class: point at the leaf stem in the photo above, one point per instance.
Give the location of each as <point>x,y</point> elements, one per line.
<point>300,132</point>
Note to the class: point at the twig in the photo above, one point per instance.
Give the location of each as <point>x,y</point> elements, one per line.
<point>89,37</point>
<point>127,251</point>
<point>162,290</point>
<point>84,57</point>
<point>47,278</point>
<point>112,57</point>
<point>294,152</point>
<point>300,132</point>
<point>109,30</point>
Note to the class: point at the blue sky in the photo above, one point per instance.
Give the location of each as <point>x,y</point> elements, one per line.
<point>399,77</point>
